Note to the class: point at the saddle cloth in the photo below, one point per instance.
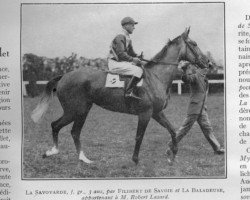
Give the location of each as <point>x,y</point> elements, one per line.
<point>114,81</point>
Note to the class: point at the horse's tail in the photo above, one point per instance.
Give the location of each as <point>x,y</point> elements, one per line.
<point>43,105</point>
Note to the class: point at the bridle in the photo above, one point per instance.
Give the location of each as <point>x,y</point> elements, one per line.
<point>198,60</point>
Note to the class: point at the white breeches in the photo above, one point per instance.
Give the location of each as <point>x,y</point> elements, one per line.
<point>124,68</point>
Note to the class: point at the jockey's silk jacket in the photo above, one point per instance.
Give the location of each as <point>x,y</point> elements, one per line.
<point>199,89</point>
<point>121,49</point>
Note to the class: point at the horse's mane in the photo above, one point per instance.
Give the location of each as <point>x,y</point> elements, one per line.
<point>158,57</point>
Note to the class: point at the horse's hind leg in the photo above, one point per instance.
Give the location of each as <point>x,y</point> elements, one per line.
<point>56,127</point>
<point>76,131</point>
<point>162,120</point>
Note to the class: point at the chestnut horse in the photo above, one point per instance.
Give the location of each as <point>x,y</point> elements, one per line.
<point>79,89</point>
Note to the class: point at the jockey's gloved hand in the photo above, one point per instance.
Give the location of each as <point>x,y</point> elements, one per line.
<point>143,63</point>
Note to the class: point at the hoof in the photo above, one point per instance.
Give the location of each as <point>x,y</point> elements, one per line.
<point>220,151</point>
<point>44,156</point>
<point>170,157</point>
<point>52,152</point>
<point>84,159</point>
<point>136,160</point>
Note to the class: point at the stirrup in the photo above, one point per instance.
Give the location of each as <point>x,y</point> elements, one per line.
<point>132,95</point>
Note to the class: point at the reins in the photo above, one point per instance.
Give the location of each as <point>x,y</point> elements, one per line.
<point>160,62</point>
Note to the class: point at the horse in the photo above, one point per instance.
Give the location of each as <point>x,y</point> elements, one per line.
<point>78,90</point>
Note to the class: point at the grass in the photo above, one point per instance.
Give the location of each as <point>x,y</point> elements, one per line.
<point>108,139</point>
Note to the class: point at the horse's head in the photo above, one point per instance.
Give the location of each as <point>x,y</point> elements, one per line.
<point>180,48</point>
<point>191,52</point>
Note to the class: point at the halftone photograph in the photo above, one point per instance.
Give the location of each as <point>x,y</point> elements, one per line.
<point>123,90</point>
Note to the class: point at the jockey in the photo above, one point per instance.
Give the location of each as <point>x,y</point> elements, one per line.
<point>122,59</point>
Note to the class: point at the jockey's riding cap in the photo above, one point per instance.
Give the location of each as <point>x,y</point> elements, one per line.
<point>128,20</point>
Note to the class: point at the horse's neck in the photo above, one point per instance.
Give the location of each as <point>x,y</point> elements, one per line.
<point>166,72</point>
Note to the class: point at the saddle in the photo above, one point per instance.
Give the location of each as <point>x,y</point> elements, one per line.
<point>119,81</point>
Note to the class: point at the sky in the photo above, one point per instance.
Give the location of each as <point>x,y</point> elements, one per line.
<point>57,30</point>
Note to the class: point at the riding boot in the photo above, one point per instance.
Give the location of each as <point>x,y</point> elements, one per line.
<point>129,93</point>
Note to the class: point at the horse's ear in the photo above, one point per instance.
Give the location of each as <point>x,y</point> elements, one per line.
<point>186,32</point>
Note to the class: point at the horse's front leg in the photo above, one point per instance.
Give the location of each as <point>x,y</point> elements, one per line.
<point>143,120</point>
<point>162,120</point>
